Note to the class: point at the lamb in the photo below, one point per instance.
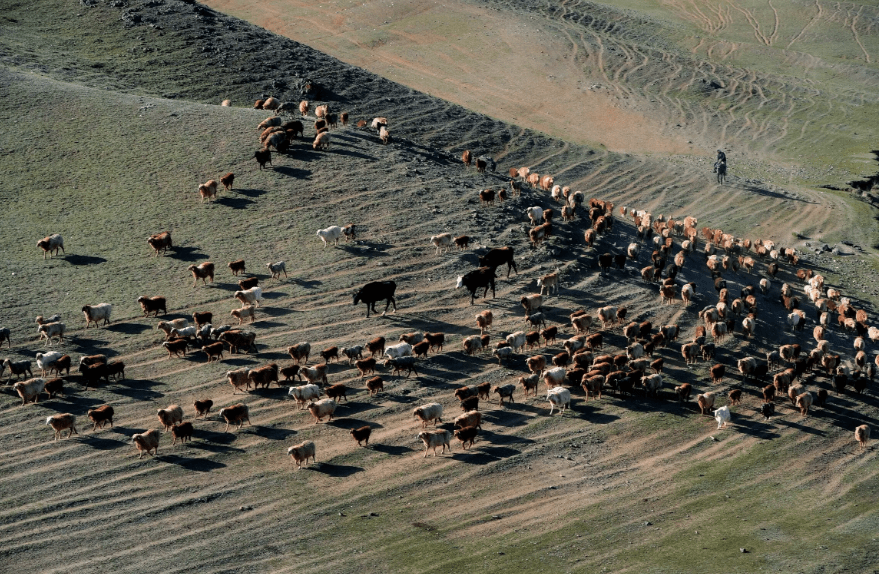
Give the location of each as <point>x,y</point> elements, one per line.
<point>237,413</point>
<point>30,390</point>
<point>322,408</point>
<point>170,416</point>
<point>429,412</point>
<point>304,394</point>
<point>208,189</point>
<point>49,330</point>
<point>147,441</point>
<point>558,397</point>
<point>160,242</point>
<point>51,244</point>
<point>250,296</point>
<point>433,439</point>
<point>152,305</point>
<point>96,313</point>
<point>277,268</point>
<point>722,417</point>
<point>67,421</point>
<point>244,312</point>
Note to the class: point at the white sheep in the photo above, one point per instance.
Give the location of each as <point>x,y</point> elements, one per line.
<point>332,233</point>
<point>503,353</point>
<point>304,394</point>
<point>535,214</point>
<point>722,417</point>
<point>558,397</point>
<point>399,350</point>
<point>277,269</point>
<point>250,296</point>
<point>433,439</point>
<point>95,313</point>
<point>244,313</point>
<point>49,330</point>
<point>554,377</point>
<point>441,242</point>
<point>429,412</point>
<point>516,340</point>
<point>322,408</point>
<point>168,326</point>
<point>44,360</point>
<point>184,333</point>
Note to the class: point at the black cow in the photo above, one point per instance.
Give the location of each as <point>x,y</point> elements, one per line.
<point>497,257</point>
<point>482,277</point>
<point>377,291</point>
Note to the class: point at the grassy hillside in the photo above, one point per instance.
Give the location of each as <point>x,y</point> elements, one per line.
<point>616,484</point>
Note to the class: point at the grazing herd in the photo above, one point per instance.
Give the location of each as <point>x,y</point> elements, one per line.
<point>794,371</point>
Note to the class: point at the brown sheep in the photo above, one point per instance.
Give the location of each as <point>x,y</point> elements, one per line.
<point>204,272</point>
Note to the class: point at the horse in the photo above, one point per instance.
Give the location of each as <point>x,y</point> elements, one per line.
<point>377,291</point>
<point>720,169</point>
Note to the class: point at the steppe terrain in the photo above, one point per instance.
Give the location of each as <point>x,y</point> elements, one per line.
<point>111,120</point>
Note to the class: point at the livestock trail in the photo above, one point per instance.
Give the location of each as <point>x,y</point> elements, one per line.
<point>618,462</point>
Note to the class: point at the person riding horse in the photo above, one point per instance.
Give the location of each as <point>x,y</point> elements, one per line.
<point>720,166</point>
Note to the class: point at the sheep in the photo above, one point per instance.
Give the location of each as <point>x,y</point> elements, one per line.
<point>208,190</point>
<point>862,435</point>
<point>485,318</point>
<point>443,241</point>
<point>332,233</point>
<point>299,352</point>
<point>548,282</point>
<point>169,416</point>
<point>581,323</point>
<point>433,439</point>
<point>504,391</point>
<point>402,349</point>
<point>51,244</point>
<point>362,434</point>
<point>429,412</point>
<point>152,304</point>
<point>147,441</point>
<point>465,435</point>
<point>337,391</point>
<point>722,417</point>
<point>531,303</point>
<point>558,397</point>
<point>683,392</point>
<point>717,373</point>
<point>554,377</point>
<point>168,326</point>
<point>472,344</point>
<point>238,340</point>
<point>652,384</point>
<point>203,407</point>
<point>277,268</point>
<point>251,296</point>
<point>365,366</point>
<point>503,353</point>
<point>217,331</point>
<point>54,387</point>
<point>96,313</point>
<point>160,242</point>
<point>529,384</point>
<point>204,272</point>
<point>181,431</point>
<point>402,363</point>
<point>243,313</point>
<point>322,408</point>
<point>49,330</point>
<point>352,353</point>
<point>322,141</point>
<point>804,401</point>
<point>61,422</point>
<point>45,360</point>
<point>705,401</point>
<point>302,452</point>
<point>374,385</point>
<point>184,333</point>
<point>304,394</point>
<point>315,374</point>
<point>535,214</point>
<point>237,413</point>
<point>30,390</point>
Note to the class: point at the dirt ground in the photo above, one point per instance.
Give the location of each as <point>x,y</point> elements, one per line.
<point>616,484</point>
